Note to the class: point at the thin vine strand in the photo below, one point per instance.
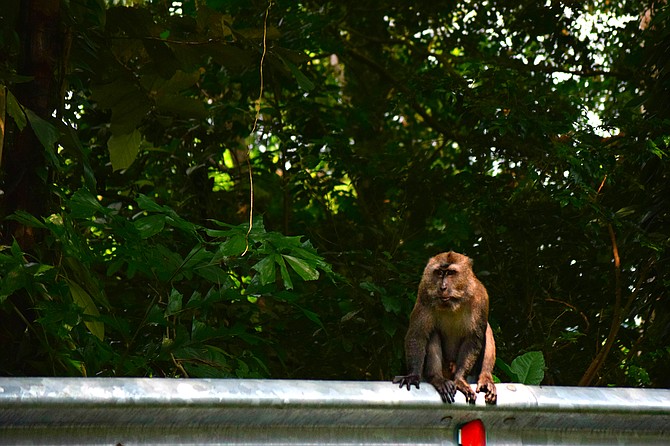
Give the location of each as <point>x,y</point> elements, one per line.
<point>253,130</point>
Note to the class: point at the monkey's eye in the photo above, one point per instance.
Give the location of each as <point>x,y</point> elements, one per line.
<point>451,272</point>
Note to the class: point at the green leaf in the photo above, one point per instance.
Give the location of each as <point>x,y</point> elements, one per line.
<point>212,273</point>
<point>86,280</point>
<point>26,219</point>
<point>302,267</point>
<point>17,253</point>
<point>150,205</point>
<point>507,370</point>
<point>181,105</point>
<point>529,367</point>
<point>234,246</point>
<point>171,216</point>
<point>312,316</point>
<point>150,226</point>
<point>174,303</point>
<point>392,304</point>
<point>266,270</point>
<point>300,78</point>
<point>286,277</point>
<point>16,111</point>
<point>84,300</point>
<point>123,149</point>
<point>70,141</point>
<point>84,205</point>
<point>46,133</point>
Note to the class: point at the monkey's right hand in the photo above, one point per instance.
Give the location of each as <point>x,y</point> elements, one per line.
<point>407,380</point>
<point>446,388</point>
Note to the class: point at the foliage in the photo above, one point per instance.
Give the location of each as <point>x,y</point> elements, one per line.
<point>530,136</point>
<point>525,369</point>
<point>202,294</point>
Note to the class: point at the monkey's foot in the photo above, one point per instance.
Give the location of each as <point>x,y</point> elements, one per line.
<point>466,390</point>
<point>446,388</point>
<point>407,380</point>
<point>486,385</point>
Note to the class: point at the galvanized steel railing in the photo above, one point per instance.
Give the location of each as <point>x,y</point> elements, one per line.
<point>125,411</point>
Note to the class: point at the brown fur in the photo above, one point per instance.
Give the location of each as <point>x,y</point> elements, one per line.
<point>449,337</point>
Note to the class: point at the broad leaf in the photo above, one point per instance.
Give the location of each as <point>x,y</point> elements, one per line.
<point>302,267</point>
<point>84,205</point>
<point>150,226</point>
<point>266,270</point>
<point>84,300</point>
<point>529,368</point>
<point>15,111</point>
<point>174,303</point>
<point>123,149</point>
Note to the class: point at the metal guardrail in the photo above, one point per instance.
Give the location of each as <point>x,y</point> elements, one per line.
<point>127,411</point>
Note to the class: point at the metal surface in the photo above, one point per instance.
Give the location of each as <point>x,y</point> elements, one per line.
<point>127,411</point>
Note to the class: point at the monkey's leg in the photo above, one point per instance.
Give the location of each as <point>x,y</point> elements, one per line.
<point>434,370</point>
<point>485,382</point>
<point>467,357</point>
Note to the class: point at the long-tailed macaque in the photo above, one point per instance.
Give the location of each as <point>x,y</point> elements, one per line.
<point>449,337</point>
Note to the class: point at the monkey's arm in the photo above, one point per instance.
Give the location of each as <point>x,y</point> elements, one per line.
<point>416,342</point>
<point>485,381</point>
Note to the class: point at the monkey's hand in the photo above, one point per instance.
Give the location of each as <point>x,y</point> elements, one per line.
<point>486,385</point>
<point>446,388</point>
<point>407,380</point>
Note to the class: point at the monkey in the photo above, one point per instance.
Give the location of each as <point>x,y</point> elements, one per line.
<point>449,337</point>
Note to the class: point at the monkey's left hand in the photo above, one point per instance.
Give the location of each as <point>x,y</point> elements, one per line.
<point>407,380</point>
<point>486,385</point>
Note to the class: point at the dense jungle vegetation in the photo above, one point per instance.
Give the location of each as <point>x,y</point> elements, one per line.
<point>229,188</point>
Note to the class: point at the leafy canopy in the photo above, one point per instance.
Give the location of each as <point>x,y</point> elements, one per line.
<point>371,135</point>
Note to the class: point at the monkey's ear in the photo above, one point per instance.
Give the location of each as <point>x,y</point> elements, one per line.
<point>470,261</point>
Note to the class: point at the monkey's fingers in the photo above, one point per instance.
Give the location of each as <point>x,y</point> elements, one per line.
<point>447,390</point>
<point>491,397</point>
<point>407,380</point>
<point>490,392</point>
<point>466,390</point>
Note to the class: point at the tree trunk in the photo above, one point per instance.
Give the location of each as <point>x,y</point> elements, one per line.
<point>26,173</point>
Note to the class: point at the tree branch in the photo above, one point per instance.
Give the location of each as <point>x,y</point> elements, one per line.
<point>617,314</point>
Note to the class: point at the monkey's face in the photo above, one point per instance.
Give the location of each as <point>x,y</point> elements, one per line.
<point>449,278</point>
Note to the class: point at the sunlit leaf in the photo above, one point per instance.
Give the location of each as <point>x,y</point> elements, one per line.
<point>302,267</point>
<point>283,272</point>
<point>15,111</point>
<point>123,149</point>
<point>84,300</point>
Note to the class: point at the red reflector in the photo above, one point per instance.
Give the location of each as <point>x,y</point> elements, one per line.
<point>472,434</point>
